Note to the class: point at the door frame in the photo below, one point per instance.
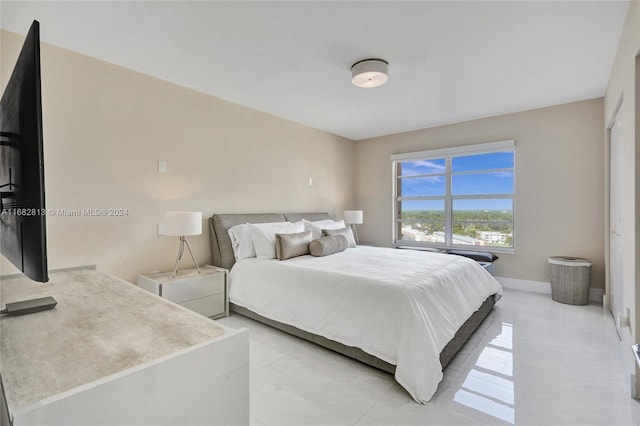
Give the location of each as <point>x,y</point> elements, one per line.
<point>620,316</point>
<point>606,301</point>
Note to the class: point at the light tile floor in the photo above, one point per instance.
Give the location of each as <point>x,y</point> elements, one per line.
<point>532,362</point>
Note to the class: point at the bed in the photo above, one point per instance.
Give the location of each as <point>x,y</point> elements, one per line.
<point>402,311</point>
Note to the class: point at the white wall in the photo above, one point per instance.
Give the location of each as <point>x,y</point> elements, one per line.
<point>559,189</point>
<point>622,87</point>
<point>105,128</point>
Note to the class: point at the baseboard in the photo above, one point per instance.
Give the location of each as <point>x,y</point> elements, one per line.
<point>595,294</point>
<point>627,357</point>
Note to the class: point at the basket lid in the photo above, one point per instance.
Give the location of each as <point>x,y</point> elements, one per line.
<point>569,261</point>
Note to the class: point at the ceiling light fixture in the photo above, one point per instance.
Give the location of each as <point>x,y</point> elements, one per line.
<point>370,72</point>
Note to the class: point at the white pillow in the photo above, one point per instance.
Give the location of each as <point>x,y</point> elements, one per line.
<point>346,232</point>
<point>317,226</point>
<point>241,242</point>
<point>263,236</point>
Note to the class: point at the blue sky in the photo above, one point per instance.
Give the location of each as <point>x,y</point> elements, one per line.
<point>464,184</point>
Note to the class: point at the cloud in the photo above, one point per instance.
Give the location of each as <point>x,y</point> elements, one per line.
<point>422,167</point>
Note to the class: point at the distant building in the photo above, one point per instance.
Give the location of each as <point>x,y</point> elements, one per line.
<point>493,237</point>
<point>436,237</point>
<point>412,234</point>
<point>457,239</point>
<point>485,237</point>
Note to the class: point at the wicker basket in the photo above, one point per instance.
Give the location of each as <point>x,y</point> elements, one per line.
<point>570,280</point>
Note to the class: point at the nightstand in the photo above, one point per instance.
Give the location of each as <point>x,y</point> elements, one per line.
<point>206,293</point>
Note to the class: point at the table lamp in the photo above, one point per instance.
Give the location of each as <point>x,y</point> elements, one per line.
<point>183,224</point>
<point>353,218</point>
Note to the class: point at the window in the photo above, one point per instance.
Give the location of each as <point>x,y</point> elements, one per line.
<point>456,198</point>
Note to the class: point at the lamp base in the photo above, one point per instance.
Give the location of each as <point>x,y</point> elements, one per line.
<point>184,242</point>
<point>355,232</point>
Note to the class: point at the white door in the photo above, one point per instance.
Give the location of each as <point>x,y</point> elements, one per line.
<point>615,220</point>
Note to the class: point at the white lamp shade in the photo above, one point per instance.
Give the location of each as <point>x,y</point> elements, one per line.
<point>183,223</point>
<point>370,73</point>
<point>353,217</point>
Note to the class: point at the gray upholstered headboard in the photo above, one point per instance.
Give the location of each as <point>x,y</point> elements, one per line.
<point>221,249</point>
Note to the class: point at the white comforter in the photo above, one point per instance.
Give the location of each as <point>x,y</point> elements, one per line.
<point>402,306</point>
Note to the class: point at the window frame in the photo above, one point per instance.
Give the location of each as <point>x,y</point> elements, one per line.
<point>448,154</point>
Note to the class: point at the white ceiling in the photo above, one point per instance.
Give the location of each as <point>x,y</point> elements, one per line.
<point>448,61</point>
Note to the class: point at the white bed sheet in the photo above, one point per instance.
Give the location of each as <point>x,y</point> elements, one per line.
<point>402,306</point>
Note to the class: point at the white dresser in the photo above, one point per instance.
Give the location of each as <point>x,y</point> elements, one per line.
<point>206,293</point>
<point>111,353</point>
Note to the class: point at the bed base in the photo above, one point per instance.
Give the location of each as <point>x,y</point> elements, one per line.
<point>447,354</point>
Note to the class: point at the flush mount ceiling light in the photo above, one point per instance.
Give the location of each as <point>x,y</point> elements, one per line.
<point>370,73</point>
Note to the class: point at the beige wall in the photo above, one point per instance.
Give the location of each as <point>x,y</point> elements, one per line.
<point>106,127</point>
<point>559,188</point>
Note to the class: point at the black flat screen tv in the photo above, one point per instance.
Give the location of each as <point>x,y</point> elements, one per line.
<point>22,196</point>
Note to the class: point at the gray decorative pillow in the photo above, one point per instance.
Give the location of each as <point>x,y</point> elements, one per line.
<point>292,245</point>
<point>346,232</point>
<point>325,246</point>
